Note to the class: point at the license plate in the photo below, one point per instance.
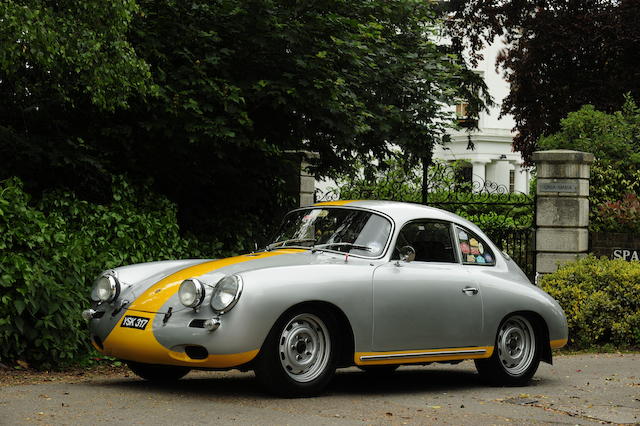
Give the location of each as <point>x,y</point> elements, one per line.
<point>130,321</point>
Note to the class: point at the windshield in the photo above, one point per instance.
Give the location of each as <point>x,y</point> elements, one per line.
<point>351,231</point>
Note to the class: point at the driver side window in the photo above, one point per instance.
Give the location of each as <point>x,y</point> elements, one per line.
<point>431,241</point>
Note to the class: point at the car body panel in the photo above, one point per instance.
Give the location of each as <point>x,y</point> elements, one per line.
<point>406,326</point>
<point>398,312</point>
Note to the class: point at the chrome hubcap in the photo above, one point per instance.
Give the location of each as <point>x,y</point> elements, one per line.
<point>304,347</point>
<point>516,345</point>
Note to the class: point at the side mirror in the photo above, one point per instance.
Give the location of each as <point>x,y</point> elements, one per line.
<point>407,254</point>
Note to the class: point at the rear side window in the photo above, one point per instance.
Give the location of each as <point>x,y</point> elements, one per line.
<point>473,250</point>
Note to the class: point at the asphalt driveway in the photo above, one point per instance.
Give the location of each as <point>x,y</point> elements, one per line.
<point>578,389</point>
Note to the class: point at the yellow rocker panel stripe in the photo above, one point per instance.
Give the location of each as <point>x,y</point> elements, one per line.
<point>427,355</point>
<point>141,345</point>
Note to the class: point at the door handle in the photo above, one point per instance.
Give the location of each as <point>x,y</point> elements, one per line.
<point>470,291</point>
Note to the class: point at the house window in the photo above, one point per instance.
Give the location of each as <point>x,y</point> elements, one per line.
<point>512,180</point>
<point>461,111</point>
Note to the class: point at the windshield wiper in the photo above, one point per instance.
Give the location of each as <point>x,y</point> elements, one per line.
<point>351,245</point>
<point>285,242</point>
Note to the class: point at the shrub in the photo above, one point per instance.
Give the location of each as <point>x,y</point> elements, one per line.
<point>620,216</point>
<point>601,299</point>
<point>53,249</point>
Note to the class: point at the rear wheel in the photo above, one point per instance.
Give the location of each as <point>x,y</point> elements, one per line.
<point>298,357</point>
<point>516,354</point>
<point>158,373</point>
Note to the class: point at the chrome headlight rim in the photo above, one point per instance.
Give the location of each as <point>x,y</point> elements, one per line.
<point>199,289</point>
<point>114,287</point>
<point>218,288</point>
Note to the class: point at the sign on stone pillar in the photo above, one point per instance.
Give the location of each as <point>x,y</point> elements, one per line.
<point>562,209</point>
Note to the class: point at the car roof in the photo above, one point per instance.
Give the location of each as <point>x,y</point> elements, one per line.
<point>403,212</point>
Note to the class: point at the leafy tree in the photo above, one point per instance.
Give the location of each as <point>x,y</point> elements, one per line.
<point>237,84</point>
<point>332,77</point>
<point>560,55</point>
<point>54,52</point>
<point>58,60</point>
<point>614,139</point>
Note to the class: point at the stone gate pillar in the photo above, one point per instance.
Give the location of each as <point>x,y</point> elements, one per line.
<point>562,207</point>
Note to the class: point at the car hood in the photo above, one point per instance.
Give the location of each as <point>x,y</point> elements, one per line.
<point>149,285</point>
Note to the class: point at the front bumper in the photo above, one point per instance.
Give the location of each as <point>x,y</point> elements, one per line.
<point>171,342</point>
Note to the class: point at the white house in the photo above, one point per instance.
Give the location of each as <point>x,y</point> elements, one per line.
<point>492,159</point>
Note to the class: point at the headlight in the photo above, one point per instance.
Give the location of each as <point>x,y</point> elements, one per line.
<point>226,293</point>
<point>191,293</point>
<point>106,288</point>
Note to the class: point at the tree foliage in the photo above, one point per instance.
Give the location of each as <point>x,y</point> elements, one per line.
<point>213,95</point>
<point>58,52</point>
<point>338,78</point>
<point>560,55</point>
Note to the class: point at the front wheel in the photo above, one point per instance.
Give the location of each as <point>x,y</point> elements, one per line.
<point>158,373</point>
<point>298,357</point>
<point>516,354</point>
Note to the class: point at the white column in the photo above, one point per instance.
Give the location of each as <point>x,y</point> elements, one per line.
<point>478,170</point>
<point>520,183</point>
<point>501,173</point>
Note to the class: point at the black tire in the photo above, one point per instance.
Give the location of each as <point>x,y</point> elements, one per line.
<point>516,353</point>
<point>298,357</point>
<point>158,373</point>
<point>379,370</point>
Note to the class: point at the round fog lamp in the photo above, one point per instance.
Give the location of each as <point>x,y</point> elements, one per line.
<point>212,324</point>
<point>88,314</point>
<point>191,293</point>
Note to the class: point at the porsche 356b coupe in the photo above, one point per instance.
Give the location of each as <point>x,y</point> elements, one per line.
<point>375,284</point>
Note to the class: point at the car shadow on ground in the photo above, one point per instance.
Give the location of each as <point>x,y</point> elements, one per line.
<point>406,379</point>
<point>346,382</point>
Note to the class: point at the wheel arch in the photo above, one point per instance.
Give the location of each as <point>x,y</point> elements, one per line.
<point>345,331</point>
<point>542,332</point>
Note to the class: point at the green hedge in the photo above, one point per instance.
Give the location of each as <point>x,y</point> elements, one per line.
<point>601,299</point>
<point>52,250</point>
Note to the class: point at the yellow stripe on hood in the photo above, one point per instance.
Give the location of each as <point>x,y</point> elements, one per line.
<point>157,295</point>
<point>335,203</point>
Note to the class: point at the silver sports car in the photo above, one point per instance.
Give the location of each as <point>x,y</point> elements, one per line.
<point>375,284</point>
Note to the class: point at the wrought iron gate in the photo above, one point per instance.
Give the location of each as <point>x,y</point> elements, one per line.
<point>507,217</point>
